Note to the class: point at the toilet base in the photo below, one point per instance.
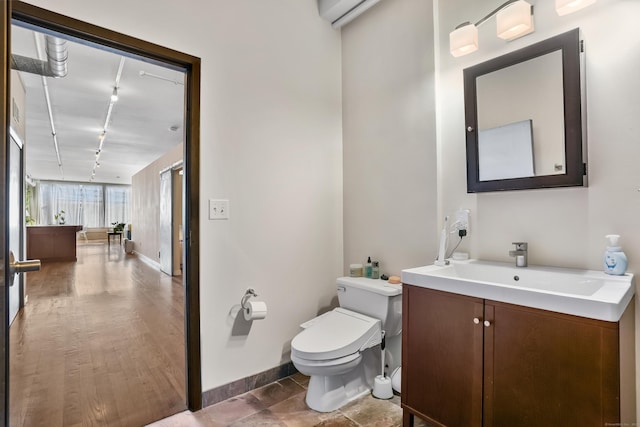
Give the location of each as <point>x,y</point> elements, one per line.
<point>329,393</point>
<point>326,394</point>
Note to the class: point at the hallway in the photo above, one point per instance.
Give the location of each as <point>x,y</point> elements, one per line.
<point>99,342</point>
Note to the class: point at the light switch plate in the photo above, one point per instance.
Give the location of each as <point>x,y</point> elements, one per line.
<point>218,209</point>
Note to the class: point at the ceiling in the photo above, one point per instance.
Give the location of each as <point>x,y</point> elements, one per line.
<point>146,120</point>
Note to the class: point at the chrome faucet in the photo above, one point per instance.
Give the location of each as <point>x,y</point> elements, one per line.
<point>520,253</point>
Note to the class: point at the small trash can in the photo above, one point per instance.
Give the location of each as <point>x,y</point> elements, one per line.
<point>128,246</point>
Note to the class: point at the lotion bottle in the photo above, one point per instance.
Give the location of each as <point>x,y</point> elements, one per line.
<point>615,261</point>
<point>368,269</point>
<point>375,270</point>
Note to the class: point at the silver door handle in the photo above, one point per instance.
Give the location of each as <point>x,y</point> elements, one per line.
<point>27,265</point>
<point>16,267</point>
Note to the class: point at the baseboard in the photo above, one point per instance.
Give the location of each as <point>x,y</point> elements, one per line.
<point>244,385</point>
<point>147,260</point>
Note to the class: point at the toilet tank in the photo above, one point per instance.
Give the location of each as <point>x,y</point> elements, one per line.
<point>375,298</point>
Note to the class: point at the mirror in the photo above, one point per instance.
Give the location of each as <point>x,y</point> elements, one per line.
<point>524,118</point>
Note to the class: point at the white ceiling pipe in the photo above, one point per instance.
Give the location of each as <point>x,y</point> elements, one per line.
<point>47,98</point>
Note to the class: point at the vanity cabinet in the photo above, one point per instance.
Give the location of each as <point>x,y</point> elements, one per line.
<point>470,362</point>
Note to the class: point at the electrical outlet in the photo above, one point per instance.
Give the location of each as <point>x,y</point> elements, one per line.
<point>218,209</point>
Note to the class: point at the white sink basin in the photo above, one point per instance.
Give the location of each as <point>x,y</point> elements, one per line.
<point>585,293</point>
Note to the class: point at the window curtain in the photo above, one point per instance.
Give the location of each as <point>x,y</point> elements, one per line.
<point>92,203</point>
<point>118,205</point>
<point>30,204</point>
<point>55,198</point>
<point>83,204</point>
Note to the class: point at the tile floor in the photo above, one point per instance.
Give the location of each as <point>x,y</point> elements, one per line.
<point>282,404</point>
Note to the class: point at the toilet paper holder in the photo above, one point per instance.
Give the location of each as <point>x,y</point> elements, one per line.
<point>248,294</point>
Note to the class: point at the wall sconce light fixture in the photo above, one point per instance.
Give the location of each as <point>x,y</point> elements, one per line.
<point>514,19</point>
<point>564,7</point>
<point>464,39</point>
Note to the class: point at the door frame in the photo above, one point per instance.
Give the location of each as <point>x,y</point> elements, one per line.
<point>109,39</point>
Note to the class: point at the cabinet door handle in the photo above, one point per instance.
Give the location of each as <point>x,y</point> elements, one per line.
<point>487,323</point>
<point>476,320</point>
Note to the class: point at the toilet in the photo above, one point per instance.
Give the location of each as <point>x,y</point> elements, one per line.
<point>340,350</point>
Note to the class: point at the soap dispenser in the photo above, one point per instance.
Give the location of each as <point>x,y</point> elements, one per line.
<point>615,261</point>
<point>368,269</point>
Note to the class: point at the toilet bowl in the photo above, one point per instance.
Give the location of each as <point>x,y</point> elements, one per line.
<point>335,350</point>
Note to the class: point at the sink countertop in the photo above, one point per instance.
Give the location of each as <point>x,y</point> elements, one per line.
<point>585,293</point>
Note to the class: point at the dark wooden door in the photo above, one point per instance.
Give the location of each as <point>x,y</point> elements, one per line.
<point>442,351</point>
<point>549,369</point>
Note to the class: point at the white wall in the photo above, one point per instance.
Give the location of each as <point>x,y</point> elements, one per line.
<point>271,144</point>
<point>389,136</point>
<point>145,204</point>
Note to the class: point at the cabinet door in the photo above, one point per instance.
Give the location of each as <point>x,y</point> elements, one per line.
<point>65,244</point>
<point>40,243</point>
<point>442,357</point>
<point>549,369</point>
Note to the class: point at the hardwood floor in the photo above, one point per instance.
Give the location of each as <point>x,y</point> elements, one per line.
<point>99,343</point>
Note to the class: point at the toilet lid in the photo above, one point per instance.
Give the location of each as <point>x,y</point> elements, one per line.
<point>336,334</point>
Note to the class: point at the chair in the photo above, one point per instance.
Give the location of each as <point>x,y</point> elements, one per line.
<point>83,233</point>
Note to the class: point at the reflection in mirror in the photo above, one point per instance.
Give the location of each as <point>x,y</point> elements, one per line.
<point>524,118</point>
<point>501,97</point>
<point>506,151</point>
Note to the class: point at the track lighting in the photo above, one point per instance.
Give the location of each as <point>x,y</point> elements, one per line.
<point>107,120</point>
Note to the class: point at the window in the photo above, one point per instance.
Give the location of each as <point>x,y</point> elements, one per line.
<point>91,205</point>
<point>117,206</point>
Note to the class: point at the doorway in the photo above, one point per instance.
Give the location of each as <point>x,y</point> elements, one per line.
<point>90,34</point>
<point>171,233</point>
<point>171,220</point>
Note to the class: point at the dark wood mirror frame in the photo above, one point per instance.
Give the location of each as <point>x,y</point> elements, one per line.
<point>571,47</point>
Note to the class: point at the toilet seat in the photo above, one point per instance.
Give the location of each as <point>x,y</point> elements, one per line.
<point>328,362</point>
<point>335,335</point>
